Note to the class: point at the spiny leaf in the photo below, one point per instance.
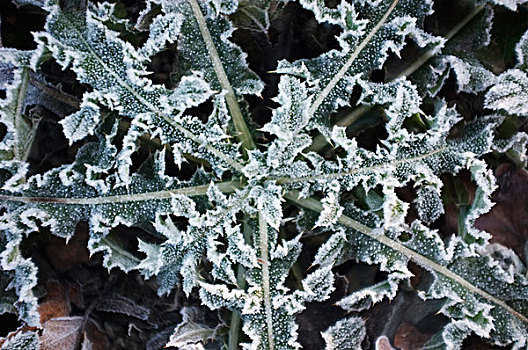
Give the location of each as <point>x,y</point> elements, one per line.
<point>369,31</point>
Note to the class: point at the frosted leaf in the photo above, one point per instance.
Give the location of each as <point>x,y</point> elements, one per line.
<point>521,51</point>
<point>252,15</point>
<point>183,206</point>
<point>164,29</point>
<point>291,117</point>
<point>82,123</point>
<point>224,6</point>
<point>368,249</point>
<point>190,92</point>
<point>345,334</point>
<point>319,284</point>
<point>150,266</point>
<point>369,32</point>
<point>331,208</point>
<point>282,153</point>
<point>38,3</point>
<point>471,75</point>
<point>343,15</point>
<point>394,209</point>
<point>364,298</point>
<point>22,341</point>
<point>216,296</point>
<point>340,138</point>
<point>239,250</point>
<point>509,4</point>
<point>268,201</point>
<point>331,252</point>
<point>481,203</point>
<point>476,314</point>
<point>114,254</point>
<point>15,80</point>
<point>287,122</point>
<point>510,93</point>
<point>516,144</point>
<point>195,50</point>
<point>222,266</point>
<point>175,258</point>
<point>481,296</point>
<point>62,205</point>
<point>190,333</point>
<point>22,276</point>
<point>429,204</point>
<point>401,97</point>
<point>506,257</point>
<point>93,51</point>
<point>280,328</point>
<point>460,54</point>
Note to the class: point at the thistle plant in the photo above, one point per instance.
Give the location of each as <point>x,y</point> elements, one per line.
<point>237,247</point>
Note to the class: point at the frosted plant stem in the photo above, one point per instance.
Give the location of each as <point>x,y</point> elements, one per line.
<point>21,96</point>
<point>315,205</point>
<point>393,163</point>
<point>124,84</point>
<point>264,254</point>
<point>57,94</point>
<point>320,141</point>
<point>225,187</point>
<point>234,326</point>
<point>341,73</point>
<point>234,329</point>
<point>430,53</point>
<point>238,120</point>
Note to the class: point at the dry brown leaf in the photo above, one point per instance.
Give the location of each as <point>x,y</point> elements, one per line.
<point>119,304</point>
<point>62,333</point>
<point>408,337</point>
<point>94,338</point>
<point>56,302</point>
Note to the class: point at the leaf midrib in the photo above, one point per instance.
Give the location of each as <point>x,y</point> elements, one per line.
<point>236,165</point>
<point>315,205</point>
<point>225,187</point>
<point>344,69</point>
<point>19,104</point>
<point>393,163</point>
<point>244,135</point>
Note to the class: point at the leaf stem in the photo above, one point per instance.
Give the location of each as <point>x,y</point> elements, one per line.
<point>315,205</point>
<point>234,329</point>
<point>21,153</point>
<point>238,119</point>
<point>393,163</point>
<point>430,53</point>
<point>341,73</point>
<point>320,141</point>
<point>124,84</point>
<point>225,187</point>
<point>264,256</point>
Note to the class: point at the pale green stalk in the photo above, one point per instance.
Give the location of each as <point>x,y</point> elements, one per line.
<point>238,119</point>
<point>320,141</point>
<point>315,205</point>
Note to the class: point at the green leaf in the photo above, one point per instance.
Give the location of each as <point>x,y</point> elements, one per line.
<point>370,30</point>
<point>345,334</point>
